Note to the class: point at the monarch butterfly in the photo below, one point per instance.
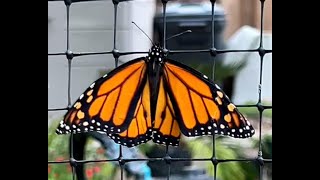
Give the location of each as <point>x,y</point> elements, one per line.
<point>155,98</point>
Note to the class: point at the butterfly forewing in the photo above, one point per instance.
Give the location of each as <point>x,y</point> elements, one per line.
<point>202,107</point>
<point>109,104</point>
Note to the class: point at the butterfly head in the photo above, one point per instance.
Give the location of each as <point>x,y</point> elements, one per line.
<point>156,53</point>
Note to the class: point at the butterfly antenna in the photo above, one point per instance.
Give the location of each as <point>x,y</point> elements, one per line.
<point>143,32</point>
<point>184,32</point>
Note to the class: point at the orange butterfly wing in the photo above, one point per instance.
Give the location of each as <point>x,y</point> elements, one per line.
<point>109,104</point>
<point>201,107</point>
<point>166,128</point>
<point>140,129</point>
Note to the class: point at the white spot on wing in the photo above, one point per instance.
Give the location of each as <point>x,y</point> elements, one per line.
<point>92,85</point>
<point>205,76</point>
<point>85,123</point>
<point>105,75</point>
<point>81,96</point>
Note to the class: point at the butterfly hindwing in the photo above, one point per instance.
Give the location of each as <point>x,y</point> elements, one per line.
<point>165,128</point>
<point>140,128</point>
<point>203,108</point>
<point>108,105</point>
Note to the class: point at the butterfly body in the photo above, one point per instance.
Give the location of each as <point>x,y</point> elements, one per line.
<point>154,98</point>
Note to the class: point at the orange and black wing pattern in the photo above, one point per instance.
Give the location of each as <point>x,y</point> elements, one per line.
<point>200,106</point>
<point>166,129</point>
<point>140,128</point>
<point>112,103</point>
<point>154,98</point>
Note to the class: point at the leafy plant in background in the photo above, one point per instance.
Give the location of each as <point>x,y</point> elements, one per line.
<point>202,148</point>
<point>58,150</point>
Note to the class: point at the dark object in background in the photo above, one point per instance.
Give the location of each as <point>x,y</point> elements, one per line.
<point>197,18</point>
<point>179,170</point>
<point>160,168</point>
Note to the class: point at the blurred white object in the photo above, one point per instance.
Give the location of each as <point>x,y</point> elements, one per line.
<point>246,83</point>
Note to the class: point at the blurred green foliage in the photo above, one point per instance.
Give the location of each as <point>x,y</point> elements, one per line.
<point>252,112</point>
